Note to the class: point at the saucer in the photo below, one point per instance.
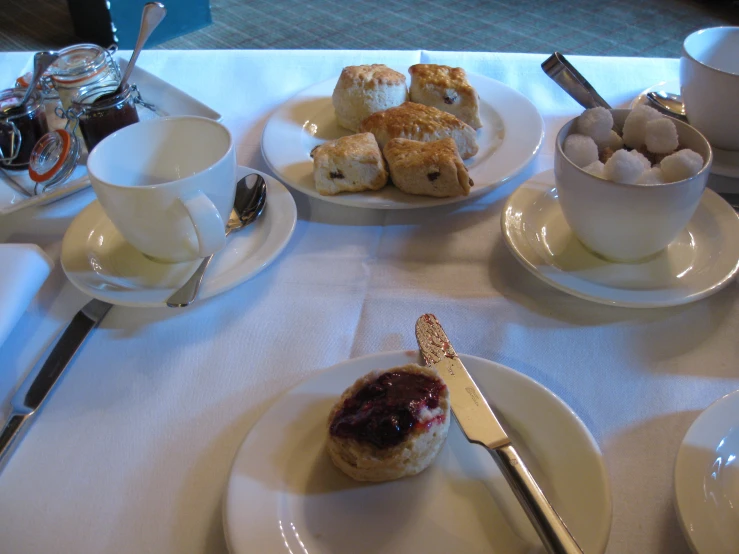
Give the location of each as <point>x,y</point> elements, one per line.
<point>725,162</point>
<point>99,261</point>
<point>699,262</point>
<point>707,479</point>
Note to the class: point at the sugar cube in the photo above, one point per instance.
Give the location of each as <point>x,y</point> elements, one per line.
<point>595,123</point>
<point>651,176</point>
<point>661,136</point>
<point>683,164</point>
<point>634,132</point>
<point>623,167</point>
<point>580,149</point>
<point>597,169</point>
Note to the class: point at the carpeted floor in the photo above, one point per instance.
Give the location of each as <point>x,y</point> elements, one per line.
<point>608,27</point>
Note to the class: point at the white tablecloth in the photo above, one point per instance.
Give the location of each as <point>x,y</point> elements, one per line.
<point>132,452</point>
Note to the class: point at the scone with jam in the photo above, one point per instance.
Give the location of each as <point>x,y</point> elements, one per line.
<point>389,424</point>
<point>365,89</point>
<point>447,89</point>
<point>348,164</point>
<point>427,168</point>
<point>423,123</point>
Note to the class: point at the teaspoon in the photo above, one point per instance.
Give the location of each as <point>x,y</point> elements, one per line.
<point>41,62</point>
<point>152,16</point>
<point>668,103</point>
<point>248,206</point>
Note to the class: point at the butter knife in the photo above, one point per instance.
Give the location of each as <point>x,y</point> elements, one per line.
<point>41,380</point>
<point>480,426</point>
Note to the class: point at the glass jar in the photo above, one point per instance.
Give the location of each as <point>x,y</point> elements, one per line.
<point>101,113</point>
<point>80,68</point>
<point>20,127</point>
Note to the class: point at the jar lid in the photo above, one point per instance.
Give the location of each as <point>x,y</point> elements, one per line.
<point>53,158</point>
<point>10,102</point>
<point>78,61</point>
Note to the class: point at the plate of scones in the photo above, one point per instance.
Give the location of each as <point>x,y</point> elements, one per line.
<point>376,139</point>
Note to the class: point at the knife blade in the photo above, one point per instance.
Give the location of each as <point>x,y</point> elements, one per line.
<point>40,381</point>
<point>480,426</point>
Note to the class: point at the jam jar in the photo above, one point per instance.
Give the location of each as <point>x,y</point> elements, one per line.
<point>20,127</point>
<point>100,112</point>
<point>81,68</point>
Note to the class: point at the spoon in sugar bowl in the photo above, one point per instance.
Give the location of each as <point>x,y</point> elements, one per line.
<point>248,206</point>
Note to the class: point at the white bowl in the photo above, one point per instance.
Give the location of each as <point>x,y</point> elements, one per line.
<point>623,222</point>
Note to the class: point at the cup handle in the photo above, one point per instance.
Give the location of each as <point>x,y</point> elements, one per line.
<point>206,219</point>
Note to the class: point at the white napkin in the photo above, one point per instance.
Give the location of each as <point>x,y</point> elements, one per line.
<point>23,269</point>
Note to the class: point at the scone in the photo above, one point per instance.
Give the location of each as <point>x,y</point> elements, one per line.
<point>389,424</point>
<point>348,164</point>
<point>447,89</point>
<point>365,89</point>
<point>427,168</point>
<point>418,122</point>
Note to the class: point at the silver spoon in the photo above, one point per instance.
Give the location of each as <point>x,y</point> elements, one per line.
<point>41,62</point>
<point>151,17</point>
<point>248,206</point>
<point>668,103</point>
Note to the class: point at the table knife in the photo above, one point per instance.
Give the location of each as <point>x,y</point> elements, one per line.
<point>41,380</point>
<point>480,426</point>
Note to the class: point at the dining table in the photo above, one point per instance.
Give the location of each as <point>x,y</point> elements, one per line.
<point>132,451</point>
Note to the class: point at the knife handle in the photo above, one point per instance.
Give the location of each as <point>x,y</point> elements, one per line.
<point>552,531</point>
<point>10,434</point>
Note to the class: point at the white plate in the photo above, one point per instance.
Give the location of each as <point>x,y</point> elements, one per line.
<point>707,479</point>
<point>725,162</point>
<point>699,262</point>
<point>284,494</point>
<point>167,99</point>
<point>99,261</point>
<point>308,120</point>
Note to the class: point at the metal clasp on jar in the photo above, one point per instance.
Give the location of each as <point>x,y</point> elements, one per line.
<point>16,139</point>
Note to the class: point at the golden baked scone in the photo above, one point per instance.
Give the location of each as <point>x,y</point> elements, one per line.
<point>349,164</point>
<point>447,89</point>
<point>427,168</point>
<point>389,424</point>
<point>365,89</point>
<point>418,122</point>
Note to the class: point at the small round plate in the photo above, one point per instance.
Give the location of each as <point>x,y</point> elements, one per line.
<point>99,261</point>
<point>707,479</point>
<point>509,139</point>
<point>285,495</point>
<point>703,259</point>
<point>725,162</point>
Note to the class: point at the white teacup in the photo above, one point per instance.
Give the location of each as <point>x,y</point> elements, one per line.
<point>709,84</point>
<point>168,185</point>
<point>622,222</point>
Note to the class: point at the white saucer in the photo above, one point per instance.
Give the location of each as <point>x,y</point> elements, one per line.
<point>725,162</point>
<point>285,495</point>
<point>707,479</point>
<point>99,261</point>
<point>699,262</point>
<point>509,139</point>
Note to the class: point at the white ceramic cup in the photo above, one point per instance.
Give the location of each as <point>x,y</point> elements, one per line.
<point>709,84</point>
<point>168,185</point>
<point>622,222</point>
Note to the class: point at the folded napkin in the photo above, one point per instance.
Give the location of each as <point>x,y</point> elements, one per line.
<point>23,269</point>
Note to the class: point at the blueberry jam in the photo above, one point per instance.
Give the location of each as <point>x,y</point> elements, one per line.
<point>385,411</point>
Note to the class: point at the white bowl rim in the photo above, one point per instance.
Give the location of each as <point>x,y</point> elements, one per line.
<point>704,64</point>
<point>559,141</point>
